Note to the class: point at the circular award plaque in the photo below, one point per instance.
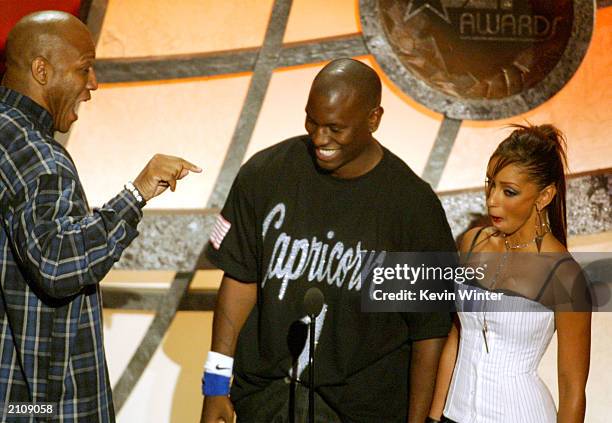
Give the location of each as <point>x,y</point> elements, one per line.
<point>478,59</point>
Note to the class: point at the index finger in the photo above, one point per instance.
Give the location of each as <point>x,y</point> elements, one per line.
<point>190,166</point>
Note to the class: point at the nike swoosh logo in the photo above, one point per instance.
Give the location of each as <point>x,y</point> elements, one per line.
<point>221,368</point>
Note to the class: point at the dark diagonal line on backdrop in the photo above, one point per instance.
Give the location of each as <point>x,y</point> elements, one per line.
<point>84,10</point>
<point>96,10</point>
<point>164,314</point>
<point>265,63</point>
<point>440,152</point>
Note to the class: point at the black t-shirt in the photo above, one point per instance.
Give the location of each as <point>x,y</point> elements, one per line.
<point>288,226</point>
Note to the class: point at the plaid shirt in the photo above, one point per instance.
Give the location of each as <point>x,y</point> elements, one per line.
<point>54,252</point>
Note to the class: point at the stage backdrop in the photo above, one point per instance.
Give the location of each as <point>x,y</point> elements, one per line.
<point>195,77</point>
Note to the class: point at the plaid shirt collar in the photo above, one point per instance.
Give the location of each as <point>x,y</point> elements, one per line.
<point>41,117</point>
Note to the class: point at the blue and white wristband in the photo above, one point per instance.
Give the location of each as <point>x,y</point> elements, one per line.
<point>217,374</point>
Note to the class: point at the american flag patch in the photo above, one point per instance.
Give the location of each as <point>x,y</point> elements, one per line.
<point>221,229</point>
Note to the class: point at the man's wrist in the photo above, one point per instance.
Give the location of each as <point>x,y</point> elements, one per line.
<point>217,374</point>
<point>431,420</point>
<point>135,193</point>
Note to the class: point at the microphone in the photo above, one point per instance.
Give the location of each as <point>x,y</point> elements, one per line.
<point>313,301</point>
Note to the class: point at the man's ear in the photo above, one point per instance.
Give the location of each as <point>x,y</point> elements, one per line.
<point>40,69</point>
<point>374,118</point>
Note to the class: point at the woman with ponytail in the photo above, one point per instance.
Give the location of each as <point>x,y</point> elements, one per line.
<point>488,369</point>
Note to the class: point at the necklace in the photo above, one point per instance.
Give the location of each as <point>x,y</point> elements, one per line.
<point>502,263</point>
<point>500,266</point>
<point>517,246</point>
<point>507,248</point>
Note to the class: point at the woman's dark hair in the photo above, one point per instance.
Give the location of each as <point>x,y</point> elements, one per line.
<point>540,151</point>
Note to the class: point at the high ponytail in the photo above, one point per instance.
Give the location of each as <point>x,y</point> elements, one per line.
<point>540,151</point>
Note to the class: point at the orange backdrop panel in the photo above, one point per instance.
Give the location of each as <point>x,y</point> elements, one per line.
<point>582,110</point>
<point>137,28</point>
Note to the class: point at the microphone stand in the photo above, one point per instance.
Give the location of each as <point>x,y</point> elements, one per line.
<point>292,387</point>
<point>311,364</point>
<point>296,341</point>
<point>313,303</point>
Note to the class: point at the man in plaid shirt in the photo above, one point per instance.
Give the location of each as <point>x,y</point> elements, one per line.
<point>54,249</point>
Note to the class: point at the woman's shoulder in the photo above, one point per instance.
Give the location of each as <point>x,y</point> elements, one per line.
<point>475,238</point>
<point>550,244</point>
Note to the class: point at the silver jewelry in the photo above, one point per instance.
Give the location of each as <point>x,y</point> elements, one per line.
<point>541,229</point>
<point>131,188</point>
<point>485,326</point>
<point>498,270</point>
<point>500,266</point>
<point>517,246</point>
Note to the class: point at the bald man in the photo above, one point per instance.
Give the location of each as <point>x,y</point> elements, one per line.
<point>298,215</point>
<point>55,250</point>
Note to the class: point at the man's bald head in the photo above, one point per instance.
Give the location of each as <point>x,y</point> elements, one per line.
<point>342,113</point>
<point>348,75</point>
<point>41,34</point>
<point>50,59</point>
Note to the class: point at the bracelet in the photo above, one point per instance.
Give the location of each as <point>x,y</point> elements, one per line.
<point>219,364</point>
<point>217,374</point>
<point>215,385</point>
<point>431,420</point>
<point>137,195</point>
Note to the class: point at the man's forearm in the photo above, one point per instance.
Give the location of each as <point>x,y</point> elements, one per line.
<point>65,245</point>
<point>423,369</point>
<point>235,301</point>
